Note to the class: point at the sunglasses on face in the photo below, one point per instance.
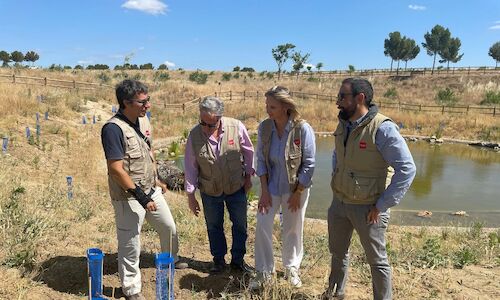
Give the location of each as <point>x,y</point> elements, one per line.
<point>202,123</point>
<point>141,102</point>
<point>341,96</point>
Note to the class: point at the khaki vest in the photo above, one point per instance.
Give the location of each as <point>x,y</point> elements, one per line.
<point>225,174</point>
<point>137,162</point>
<point>293,149</point>
<point>361,174</point>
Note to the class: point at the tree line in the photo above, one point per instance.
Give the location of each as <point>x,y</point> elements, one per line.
<point>398,47</point>
<point>17,57</point>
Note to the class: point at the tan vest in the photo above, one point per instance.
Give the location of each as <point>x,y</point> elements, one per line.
<point>293,149</point>
<point>137,162</point>
<point>361,174</point>
<point>225,174</point>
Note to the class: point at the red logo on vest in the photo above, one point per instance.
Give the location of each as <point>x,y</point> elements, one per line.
<point>147,133</point>
<point>362,145</point>
<point>296,142</point>
<point>231,142</point>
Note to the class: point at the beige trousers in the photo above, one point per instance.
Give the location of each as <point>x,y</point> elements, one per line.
<point>129,216</point>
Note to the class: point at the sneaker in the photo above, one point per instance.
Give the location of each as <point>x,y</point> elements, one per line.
<point>292,275</point>
<point>137,296</point>
<point>181,265</point>
<point>260,279</point>
<point>217,267</point>
<point>329,294</point>
<point>241,267</point>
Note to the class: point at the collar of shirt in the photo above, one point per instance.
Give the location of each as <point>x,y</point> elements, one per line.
<point>351,125</point>
<point>216,141</point>
<point>287,126</point>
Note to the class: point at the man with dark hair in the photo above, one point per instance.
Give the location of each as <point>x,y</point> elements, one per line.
<point>372,170</point>
<point>135,190</point>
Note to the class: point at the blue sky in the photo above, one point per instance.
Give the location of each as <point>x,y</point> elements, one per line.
<point>221,34</point>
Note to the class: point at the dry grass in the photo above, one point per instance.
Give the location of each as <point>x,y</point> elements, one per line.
<point>44,235</point>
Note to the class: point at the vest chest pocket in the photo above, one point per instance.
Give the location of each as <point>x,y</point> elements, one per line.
<point>133,147</point>
<point>294,160</point>
<point>366,187</point>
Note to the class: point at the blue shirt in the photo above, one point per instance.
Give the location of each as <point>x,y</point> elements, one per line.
<point>395,152</point>
<point>277,178</point>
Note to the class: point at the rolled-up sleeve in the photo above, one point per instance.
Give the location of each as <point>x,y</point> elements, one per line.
<point>396,153</point>
<point>306,169</point>
<point>261,161</point>
<point>190,168</point>
<point>247,150</point>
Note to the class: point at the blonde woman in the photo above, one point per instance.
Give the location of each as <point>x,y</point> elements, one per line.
<point>285,164</point>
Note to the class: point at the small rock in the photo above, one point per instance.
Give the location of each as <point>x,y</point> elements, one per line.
<point>172,154</point>
<point>424,214</point>
<point>413,139</point>
<point>460,213</point>
<point>439,141</point>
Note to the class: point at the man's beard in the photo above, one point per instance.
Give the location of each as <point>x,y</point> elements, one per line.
<point>345,113</point>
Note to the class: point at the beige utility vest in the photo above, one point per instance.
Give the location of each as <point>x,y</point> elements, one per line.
<point>361,174</point>
<point>138,159</point>
<point>225,174</point>
<point>293,149</point>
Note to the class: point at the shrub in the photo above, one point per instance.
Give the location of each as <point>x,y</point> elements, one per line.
<point>236,75</point>
<point>313,79</point>
<point>446,97</point>
<point>226,76</point>
<point>104,78</point>
<point>430,255</point>
<point>269,75</point>
<point>491,97</point>
<point>161,76</point>
<point>391,93</point>
<point>198,77</point>
<point>465,256</point>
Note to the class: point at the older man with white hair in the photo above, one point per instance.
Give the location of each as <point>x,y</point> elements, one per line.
<point>219,162</point>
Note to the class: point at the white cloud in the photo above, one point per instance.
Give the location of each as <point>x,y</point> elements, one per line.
<point>141,48</point>
<point>495,27</point>
<point>153,7</point>
<point>117,56</point>
<point>169,64</point>
<point>309,65</point>
<point>84,62</point>
<point>416,7</point>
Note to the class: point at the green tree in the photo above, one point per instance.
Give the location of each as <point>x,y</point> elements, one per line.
<point>319,66</point>
<point>17,57</point>
<point>436,41</point>
<point>494,53</point>
<point>148,66</point>
<point>411,51</point>
<point>5,58</point>
<point>162,67</point>
<point>78,67</point>
<point>281,54</point>
<point>31,56</point>
<point>298,61</point>
<point>236,69</point>
<point>450,52</point>
<point>393,45</point>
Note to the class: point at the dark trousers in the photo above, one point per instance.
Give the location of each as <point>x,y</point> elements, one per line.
<point>213,208</point>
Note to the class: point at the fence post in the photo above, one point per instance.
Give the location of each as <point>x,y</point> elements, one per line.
<point>420,107</point>
<point>13,78</point>
<point>399,105</point>
<point>230,95</point>
<point>244,95</point>
<point>45,81</point>
<point>494,110</point>
<point>468,71</point>
<point>183,108</point>
<point>380,104</point>
<point>442,110</point>
<point>468,109</point>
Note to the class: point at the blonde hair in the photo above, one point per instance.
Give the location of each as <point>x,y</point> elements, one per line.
<point>282,95</point>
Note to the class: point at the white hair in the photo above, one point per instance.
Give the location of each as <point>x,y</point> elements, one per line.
<point>212,105</point>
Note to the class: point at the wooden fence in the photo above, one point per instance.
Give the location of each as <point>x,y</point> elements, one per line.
<point>44,81</point>
<point>232,96</point>
<point>399,73</point>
